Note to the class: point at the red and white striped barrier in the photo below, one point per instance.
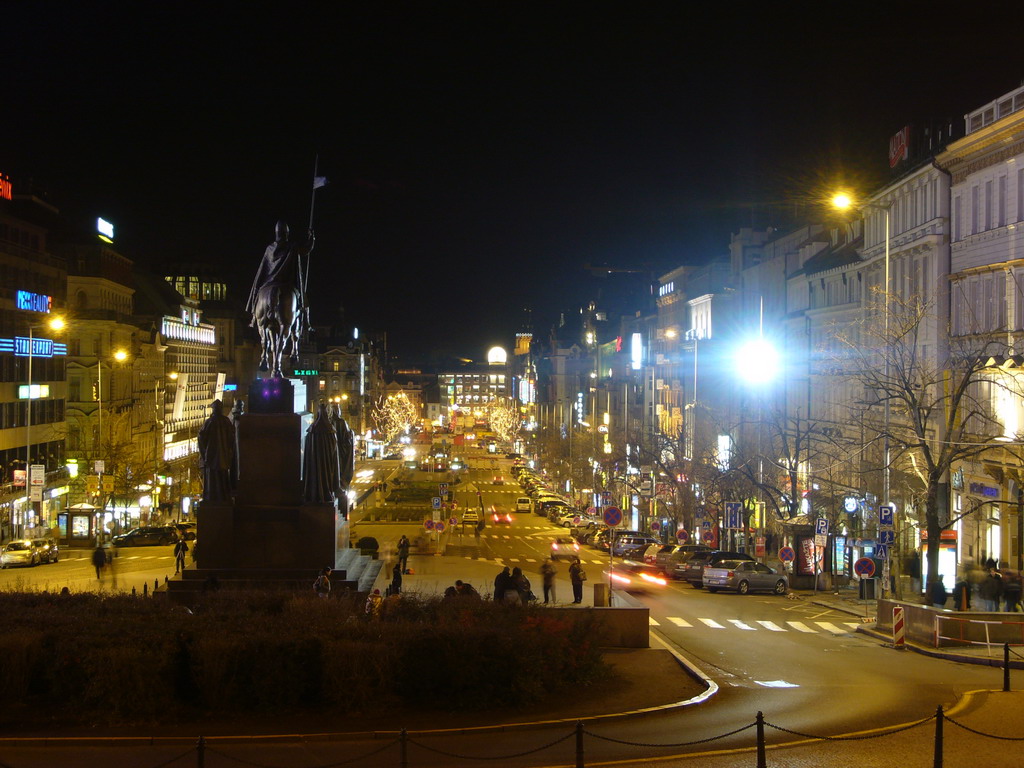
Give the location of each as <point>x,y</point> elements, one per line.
<point>899,628</point>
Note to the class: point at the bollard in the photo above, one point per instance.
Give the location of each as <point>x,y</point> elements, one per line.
<point>938,738</point>
<point>762,761</point>
<point>579,744</point>
<point>1006,667</point>
<point>898,628</point>
<point>200,752</point>
<point>403,749</point>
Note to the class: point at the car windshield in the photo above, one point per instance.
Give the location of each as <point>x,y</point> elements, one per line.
<point>17,546</point>
<point>730,563</point>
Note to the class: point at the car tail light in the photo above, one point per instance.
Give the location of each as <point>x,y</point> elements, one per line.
<point>730,574</point>
<point>650,577</point>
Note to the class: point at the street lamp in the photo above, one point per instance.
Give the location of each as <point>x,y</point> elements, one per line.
<point>54,324</point>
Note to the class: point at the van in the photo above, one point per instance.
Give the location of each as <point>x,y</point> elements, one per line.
<point>523,504</point>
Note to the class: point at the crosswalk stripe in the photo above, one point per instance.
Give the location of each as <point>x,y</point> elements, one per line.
<point>679,622</point>
<point>530,560</point>
<point>831,627</point>
<point>741,625</point>
<point>711,623</point>
<point>852,624</point>
<point>771,625</point>
<point>800,626</point>
<point>652,621</point>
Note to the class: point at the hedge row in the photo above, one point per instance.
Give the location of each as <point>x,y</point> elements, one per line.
<point>118,660</point>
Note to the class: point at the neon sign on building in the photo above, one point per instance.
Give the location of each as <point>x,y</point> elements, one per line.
<point>19,345</point>
<point>6,190</point>
<point>33,302</point>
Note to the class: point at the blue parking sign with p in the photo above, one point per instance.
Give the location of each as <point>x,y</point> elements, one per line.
<point>821,526</point>
<point>885,514</point>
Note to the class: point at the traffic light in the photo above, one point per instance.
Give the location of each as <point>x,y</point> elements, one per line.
<point>92,484</point>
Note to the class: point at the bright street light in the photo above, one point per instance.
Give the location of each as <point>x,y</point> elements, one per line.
<point>758,361</point>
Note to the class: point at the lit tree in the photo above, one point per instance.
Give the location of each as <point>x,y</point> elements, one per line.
<point>505,421</point>
<point>394,415</point>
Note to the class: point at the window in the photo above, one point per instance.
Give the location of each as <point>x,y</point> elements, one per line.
<point>989,207</point>
<point>974,210</point>
<point>1001,220</point>
<point>956,218</point>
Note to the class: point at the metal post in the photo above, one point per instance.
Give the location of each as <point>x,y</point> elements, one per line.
<point>937,762</point>
<point>1006,667</point>
<point>403,749</point>
<point>201,752</point>
<point>579,744</point>
<point>762,761</point>
<point>28,445</point>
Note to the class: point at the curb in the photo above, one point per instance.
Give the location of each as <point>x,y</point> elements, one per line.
<point>938,653</point>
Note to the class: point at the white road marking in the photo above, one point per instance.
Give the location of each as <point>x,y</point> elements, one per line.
<point>799,626</point>
<point>711,623</point>
<point>652,621</point>
<point>679,622</point>
<point>831,627</point>
<point>852,624</point>
<point>771,625</point>
<point>740,625</point>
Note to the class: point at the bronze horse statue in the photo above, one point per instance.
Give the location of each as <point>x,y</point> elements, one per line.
<point>277,299</point>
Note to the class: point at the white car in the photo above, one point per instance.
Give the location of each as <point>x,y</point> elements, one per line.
<point>523,504</point>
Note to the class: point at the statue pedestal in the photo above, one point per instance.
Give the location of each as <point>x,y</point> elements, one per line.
<point>268,526</point>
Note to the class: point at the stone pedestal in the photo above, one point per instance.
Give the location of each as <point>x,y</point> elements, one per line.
<point>268,526</point>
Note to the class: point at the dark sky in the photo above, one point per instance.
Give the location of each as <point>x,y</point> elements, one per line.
<point>479,155</point>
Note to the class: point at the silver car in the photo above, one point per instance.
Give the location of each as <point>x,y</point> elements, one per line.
<point>19,552</point>
<point>744,576</point>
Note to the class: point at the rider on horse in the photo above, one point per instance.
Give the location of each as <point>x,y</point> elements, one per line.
<point>279,279</point>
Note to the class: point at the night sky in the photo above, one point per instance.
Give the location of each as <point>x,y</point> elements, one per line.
<point>479,155</point>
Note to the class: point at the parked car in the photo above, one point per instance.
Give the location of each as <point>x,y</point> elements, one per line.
<point>630,545</point>
<point>19,552</point>
<point>585,530</point>
<point>186,531</point>
<point>602,539</point>
<point>470,516</point>
<point>148,535</point>
<point>692,569</point>
<point>552,508</point>
<point>670,556</point>
<point>744,576</point>
<point>523,504</point>
<point>564,548</point>
<point>48,550</point>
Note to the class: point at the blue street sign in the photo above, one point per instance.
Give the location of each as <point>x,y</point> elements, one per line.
<point>886,536</point>
<point>733,514</point>
<point>436,502</point>
<point>885,514</point>
<point>606,498</point>
<point>612,516</point>
<point>706,524</point>
<point>821,527</point>
<point>882,551</point>
<point>442,488</point>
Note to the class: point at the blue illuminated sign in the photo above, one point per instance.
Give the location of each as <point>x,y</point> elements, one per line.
<point>40,347</point>
<point>32,302</point>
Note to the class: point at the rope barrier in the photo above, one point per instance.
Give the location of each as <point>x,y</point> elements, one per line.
<point>679,744</point>
<point>496,757</point>
<point>323,765</point>
<point>976,732</point>
<point>863,737</point>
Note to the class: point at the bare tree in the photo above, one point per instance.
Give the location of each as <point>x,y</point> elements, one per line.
<point>393,415</point>
<point>931,398</point>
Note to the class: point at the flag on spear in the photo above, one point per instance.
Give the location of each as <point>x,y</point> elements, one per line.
<point>319,181</point>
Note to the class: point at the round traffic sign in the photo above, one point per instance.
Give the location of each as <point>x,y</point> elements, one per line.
<point>709,537</point>
<point>428,525</point>
<point>612,516</point>
<point>682,535</point>
<point>787,554</point>
<point>655,526</point>
<point>864,567</point>
<point>453,521</point>
<point>439,526</point>
<point>592,511</point>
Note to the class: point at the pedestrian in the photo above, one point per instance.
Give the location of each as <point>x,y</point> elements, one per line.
<point>523,589</point>
<point>547,573</point>
<point>479,529</point>
<point>373,603</point>
<point>462,589</point>
<point>403,553</point>
<point>195,553</point>
<point>396,579</point>
<point>180,550</point>
<point>99,559</point>
<point>1011,589</point>
<point>962,595</point>
<point>577,576</point>
<point>322,585</point>
<point>991,590</point>
<point>502,583</point>
<point>937,593</point>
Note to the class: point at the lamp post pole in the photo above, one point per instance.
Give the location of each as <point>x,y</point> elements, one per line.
<point>28,440</point>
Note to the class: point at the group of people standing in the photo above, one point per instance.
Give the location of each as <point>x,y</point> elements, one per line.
<point>995,590</point>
